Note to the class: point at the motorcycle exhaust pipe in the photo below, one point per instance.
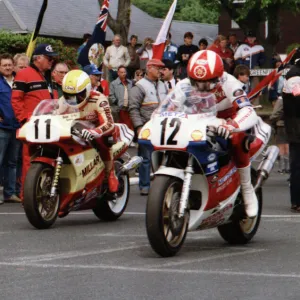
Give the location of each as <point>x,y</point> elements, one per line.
<point>133,163</point>
<point>266,166</point>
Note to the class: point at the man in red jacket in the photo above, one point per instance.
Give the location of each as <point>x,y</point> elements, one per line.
<point>31,86</point>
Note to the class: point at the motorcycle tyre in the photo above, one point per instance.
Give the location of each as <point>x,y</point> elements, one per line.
<point>103,210</point>
<point>232,232</point>
<point>154,210</point>
<point>30,204</point>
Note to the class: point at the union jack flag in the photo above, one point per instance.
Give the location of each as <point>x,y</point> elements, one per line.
<point>93,51</point>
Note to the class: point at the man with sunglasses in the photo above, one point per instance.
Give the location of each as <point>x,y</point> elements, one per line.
<point>31,86</point>
<point>58,74</point>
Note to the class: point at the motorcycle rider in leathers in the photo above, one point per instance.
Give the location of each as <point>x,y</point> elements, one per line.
<point>94,108</point>
<point>206,74</point>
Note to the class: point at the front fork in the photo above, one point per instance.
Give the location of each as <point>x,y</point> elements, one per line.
<point>59,162</point>
<point>188,174</point>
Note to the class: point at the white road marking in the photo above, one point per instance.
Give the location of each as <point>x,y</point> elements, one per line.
<point>155,270</point>
<point>212,257</point>
<point>69,254</point>
<point>143,213</point>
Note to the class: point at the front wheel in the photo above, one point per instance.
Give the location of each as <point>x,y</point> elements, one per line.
<point>166,231</point>
<point>41,210</point>
<point>110,208</point>
<point>242,229</point>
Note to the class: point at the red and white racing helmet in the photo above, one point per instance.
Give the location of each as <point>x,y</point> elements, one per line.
<point>205,65</point>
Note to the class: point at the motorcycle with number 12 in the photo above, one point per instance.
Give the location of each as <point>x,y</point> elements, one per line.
<point>196,185</point>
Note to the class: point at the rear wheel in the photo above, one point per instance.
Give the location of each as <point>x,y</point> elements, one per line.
<point>242,229</point>
<point>111,207</point>
<point>41,209</point>
<point>165,229</point>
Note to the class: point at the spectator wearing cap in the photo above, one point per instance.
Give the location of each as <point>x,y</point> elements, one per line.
<point>184,53</point>
<point>171,49</point>
<point>145,97</point>
<point>58,74</point>
<point>9,145</point>
<point>233,42</point>
<point>251,54</point>
<point>115,56</point>
<point>98,83</point>
<point>134,57</point>
<point>167,74</point>
<point>203,43</point>
<point>85,39</point>
<point>31,86</point>
<point>119,97</point>
<point>145,52</point>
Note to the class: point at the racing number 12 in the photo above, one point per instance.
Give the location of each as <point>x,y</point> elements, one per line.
<point>170,140</point>
<point>36,127</point>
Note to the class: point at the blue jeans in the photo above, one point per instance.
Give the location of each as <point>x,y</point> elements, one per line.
<point>112,75</point>
<point>9,148</point>
<point>295,173</point>
<point>145,167</point>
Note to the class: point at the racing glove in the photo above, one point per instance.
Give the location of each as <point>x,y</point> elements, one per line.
<point>87,135</point>
<point>225,131</point>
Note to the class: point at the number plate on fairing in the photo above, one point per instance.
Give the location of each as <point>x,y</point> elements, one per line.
<point>43,129</point>
<point>170,132</point>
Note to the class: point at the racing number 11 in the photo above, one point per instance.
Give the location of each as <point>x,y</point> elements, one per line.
<point>36,127</point>
<point>174,122</point>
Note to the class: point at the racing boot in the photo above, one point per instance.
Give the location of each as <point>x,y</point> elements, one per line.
<point>113,182</point>
<point>249,196</point>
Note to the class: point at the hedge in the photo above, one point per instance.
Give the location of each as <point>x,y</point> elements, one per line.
<point>17,43</point>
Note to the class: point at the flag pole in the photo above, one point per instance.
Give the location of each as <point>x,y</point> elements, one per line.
<point>35,33</point>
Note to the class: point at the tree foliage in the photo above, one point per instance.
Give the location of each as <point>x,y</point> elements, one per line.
<point>17,43</point>
<point>187,10</point>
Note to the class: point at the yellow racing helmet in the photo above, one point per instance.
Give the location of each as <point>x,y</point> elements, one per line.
<point>76,88</point>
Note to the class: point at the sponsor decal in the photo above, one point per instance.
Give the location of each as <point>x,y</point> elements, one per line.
<point>245,117</point>
<point>222,187</point>
<point>212,157</point>
<point>227,176</point>
<point>69,88</point>
<point>201,62</point>
<point>78,160</point>
<point>216,218</point>
<point>103,103</point>
<point>242,102</point>
<point>200,72</point>
<point>173,114</point>
<point>238,92</point>
<point>211,168</point>
<point>90,166</point>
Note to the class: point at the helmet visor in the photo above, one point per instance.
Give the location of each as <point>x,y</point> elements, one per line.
<point>75,99</point>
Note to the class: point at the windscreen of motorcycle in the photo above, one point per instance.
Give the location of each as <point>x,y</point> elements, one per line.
<point>54,107</point>
<point>190,101</point>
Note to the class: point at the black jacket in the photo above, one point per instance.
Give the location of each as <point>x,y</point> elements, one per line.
<point>291,109</point>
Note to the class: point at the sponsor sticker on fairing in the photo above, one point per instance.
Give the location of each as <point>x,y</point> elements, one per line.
<point>227,176</point>
<point>173,114</point>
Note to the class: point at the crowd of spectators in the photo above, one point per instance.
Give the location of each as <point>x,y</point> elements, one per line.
<point>135,82</point>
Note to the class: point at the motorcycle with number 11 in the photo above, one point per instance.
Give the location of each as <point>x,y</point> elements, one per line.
<point>66,173</point>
